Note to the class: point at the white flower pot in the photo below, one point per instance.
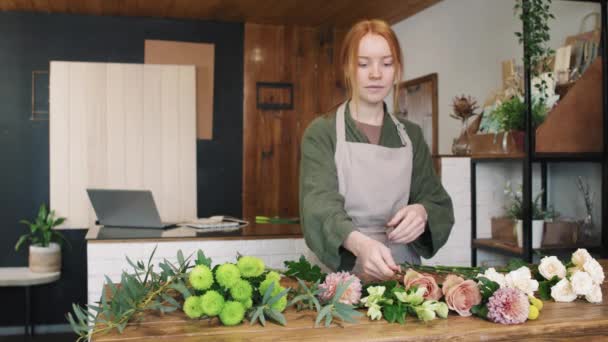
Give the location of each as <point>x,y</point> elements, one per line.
<point>45,259</point>
<point>537,232</point>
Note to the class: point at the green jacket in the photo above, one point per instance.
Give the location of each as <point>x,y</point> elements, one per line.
<point>324,221</point>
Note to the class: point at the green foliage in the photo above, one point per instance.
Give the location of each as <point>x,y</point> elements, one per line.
<point>265,310</point>
<point>306,297</point>
<point>144,289</point>
<point>515,264</point>
<point>515,208</point>
<point>304,270</point>
<point>511,114</point>
<point>544,287</point>
<point>41,230</point>
<point>480,310</point>
<point>535,16</point>
<point>201,259</point>
<point>487,288</point>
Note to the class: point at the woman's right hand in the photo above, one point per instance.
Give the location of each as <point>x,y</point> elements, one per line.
<point>373,257</point>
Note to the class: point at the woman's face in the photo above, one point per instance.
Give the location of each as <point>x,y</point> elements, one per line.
<point>375,70</point>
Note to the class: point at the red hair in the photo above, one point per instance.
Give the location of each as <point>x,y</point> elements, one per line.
<point>349,53</point>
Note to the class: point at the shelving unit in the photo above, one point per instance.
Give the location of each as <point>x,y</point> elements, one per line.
<point>529,157</point>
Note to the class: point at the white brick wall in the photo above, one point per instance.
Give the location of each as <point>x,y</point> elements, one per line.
<point>456,179</point>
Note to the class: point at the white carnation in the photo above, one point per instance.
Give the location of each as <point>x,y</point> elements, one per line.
<point>550,267</point>
<point>580,257</point>
<point>595,296</point>
<point>563,292</point>
<point>494,276</point>
<point>582,284</point>
<point>595,270</point>
<point>521,279</point>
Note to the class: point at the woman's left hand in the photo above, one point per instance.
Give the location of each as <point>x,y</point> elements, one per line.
<point>408,224</point>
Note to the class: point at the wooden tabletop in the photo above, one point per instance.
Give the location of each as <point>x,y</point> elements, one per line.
<point>22,276</point>
<point>557,322</point>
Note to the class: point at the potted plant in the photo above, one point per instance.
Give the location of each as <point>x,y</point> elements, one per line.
<point>510,117</point>
<point>515,213</point>
<point>45,249</point>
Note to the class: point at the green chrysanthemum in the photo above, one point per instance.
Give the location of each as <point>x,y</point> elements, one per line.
<point>241,290</point>
<point>232,313</point>
<point>273,275</point>
<point>280,304</point>
<point>250,266</point>
<point>266,283</point>
<point>227,275</point>
<point>192,307</point>
<point>248,303</point>
<point>212,303</point>
<point>201,277</point>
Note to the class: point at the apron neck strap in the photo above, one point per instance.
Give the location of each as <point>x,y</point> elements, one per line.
<point>341,126</point>
<point>400,129</point>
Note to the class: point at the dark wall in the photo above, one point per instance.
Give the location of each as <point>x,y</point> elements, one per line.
<point>28,41</point>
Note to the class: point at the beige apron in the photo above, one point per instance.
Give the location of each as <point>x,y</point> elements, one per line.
<point>375,182</point>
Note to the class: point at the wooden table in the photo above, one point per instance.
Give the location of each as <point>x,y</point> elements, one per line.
<point>575,321</point>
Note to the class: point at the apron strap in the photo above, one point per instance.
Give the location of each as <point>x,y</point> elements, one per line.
<point>400,129</point>
<point>340,126</point>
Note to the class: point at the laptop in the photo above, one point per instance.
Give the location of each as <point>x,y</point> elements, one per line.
<point>126,208</point>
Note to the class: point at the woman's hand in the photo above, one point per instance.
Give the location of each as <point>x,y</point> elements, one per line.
<point>374,258</point>
<point>408,224</point>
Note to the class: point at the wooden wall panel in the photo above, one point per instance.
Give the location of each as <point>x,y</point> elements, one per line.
<point>134,118</point>
<point>59,173</point>
<point>202,55</point>
<point>99,137</point>
<point>99,134</point>
<point>115,118</point>
<point>152,132</point>
<point>296,55</point>
<point>187,152</point>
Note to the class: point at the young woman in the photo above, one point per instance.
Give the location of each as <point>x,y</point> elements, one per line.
<point>369,197</point>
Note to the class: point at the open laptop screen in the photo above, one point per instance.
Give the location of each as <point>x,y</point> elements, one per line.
<point>125,208</point>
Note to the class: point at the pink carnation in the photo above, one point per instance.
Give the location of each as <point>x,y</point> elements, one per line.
<point>508,306</point>
<point>422,280</point>
<point>350,296</point>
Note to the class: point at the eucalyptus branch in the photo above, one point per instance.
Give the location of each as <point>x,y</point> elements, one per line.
<point>131,298</point>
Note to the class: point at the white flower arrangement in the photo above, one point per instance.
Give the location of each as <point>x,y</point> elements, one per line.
<point>521,279</point>
<point>583,276</point>
<point>494,276</point>
<point>550,267</point>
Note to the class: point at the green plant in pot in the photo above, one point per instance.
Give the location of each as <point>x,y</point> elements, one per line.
<point>514,211</point>
<point>45,241</point>
<point>510,116</point>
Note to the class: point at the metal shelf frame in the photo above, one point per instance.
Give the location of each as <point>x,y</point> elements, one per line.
<point>530,156</point>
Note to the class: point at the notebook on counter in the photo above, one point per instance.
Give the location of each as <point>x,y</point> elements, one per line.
<point>218,224</point>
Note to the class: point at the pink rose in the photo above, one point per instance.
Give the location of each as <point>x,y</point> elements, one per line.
<point>461,295</point>
<point>426,281</point>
